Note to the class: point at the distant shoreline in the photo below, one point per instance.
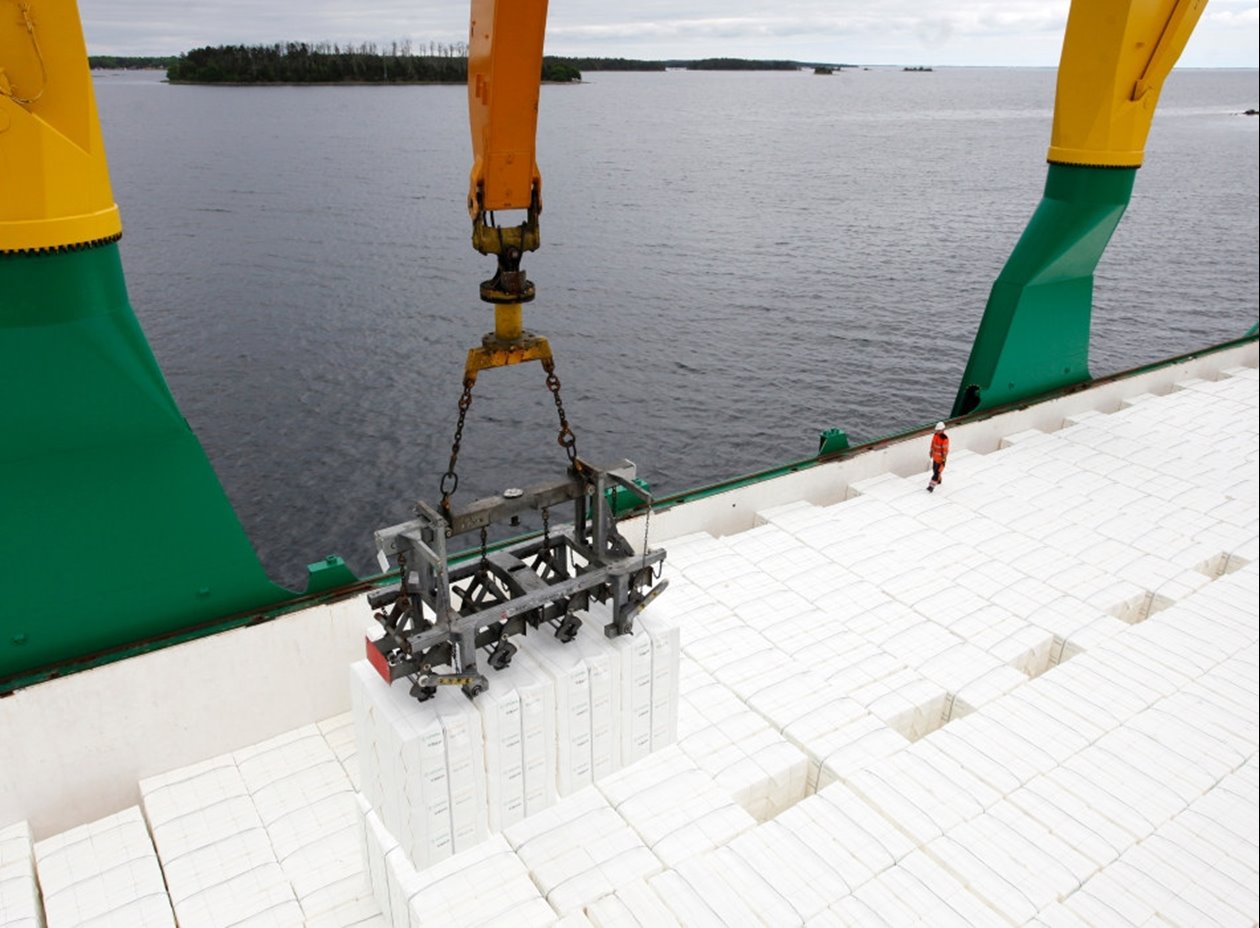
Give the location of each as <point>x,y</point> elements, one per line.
<point>325,64</point>
<point>179,83</point>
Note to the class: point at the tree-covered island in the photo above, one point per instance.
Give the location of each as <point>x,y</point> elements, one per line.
<point>397,63</point>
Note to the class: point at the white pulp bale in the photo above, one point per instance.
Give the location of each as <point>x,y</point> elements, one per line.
<point>635,905</point>
<point>97,872</point>
<point>19,892</point>
<point>676,808</point>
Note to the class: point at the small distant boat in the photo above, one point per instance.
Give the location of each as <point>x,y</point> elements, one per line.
<point>823,69</point>
<point>918,68</point>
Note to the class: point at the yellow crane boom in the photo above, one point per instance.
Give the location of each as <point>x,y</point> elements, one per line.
<point>505,50</point>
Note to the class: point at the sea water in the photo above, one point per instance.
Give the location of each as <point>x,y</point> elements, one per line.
<point>731,262</point>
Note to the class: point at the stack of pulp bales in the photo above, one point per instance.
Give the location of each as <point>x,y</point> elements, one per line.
<point>440,777</point>
<point>270,834</point>
<point>218,862</point>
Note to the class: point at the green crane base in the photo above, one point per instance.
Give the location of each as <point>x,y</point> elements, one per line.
<point>113,526</point>
<point>1034,336</point>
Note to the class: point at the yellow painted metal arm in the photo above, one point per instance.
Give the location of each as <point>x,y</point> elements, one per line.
<point>1116,55</point>
<point>504,75</point>
<point>505,50</point>
<point>54,182</point>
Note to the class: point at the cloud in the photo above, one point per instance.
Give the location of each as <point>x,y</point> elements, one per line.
<point>1242,18</point>
<point>834,30</point>
<point>977,32</point>
<point>934,33</point>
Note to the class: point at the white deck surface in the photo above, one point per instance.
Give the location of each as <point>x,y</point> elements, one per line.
<point>1029,698</point>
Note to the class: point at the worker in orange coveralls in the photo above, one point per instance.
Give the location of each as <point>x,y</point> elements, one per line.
<point>940,451</point>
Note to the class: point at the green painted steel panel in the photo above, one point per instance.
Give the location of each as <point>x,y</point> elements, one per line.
<point>113,526</point>
<point>1034,336</point>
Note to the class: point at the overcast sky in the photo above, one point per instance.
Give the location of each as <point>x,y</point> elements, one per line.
<point>929,32</point>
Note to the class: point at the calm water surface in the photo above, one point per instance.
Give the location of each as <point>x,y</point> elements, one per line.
<point>731,262</point>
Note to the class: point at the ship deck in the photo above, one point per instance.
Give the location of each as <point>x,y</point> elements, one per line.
<point>1029,698</point>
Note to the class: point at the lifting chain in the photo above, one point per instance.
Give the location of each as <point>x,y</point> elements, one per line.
<point>566,439</point>
<point>450,479</point>
<point>660,565</point>
<point>483,567</point>
<point>402,605</point>
<point>647,522</point>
